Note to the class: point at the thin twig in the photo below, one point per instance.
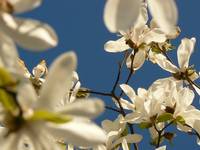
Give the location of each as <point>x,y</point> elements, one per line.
<point>97,93</point>
<point>161,131</point>
<point>131,71</point>
<point>195,132</point>
<point>113,109</point>
<point>168,58</point>
<point>120,65</point>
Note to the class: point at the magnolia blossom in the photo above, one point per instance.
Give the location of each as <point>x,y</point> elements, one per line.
<point>184,72</point>
<point>163,96</point>
<point>177,100</point>
<point>123,14</point>
<point>38,114</point>
<point>117,135</point>
<point>145,105</point>
<point>137,38</point>
<point>28,33</point>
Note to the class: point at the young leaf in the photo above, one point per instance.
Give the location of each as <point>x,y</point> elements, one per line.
<point>180,120</point>
<point>165,117</point>
<point>145,125</point>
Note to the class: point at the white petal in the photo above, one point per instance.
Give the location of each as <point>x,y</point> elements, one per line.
<point>100,147</point>
<point>165,13</point>
<point>184,52</point>
<point>8,52</point>
<point>28,33</point>
<point>109,126</point>
<point>128,90</point>
<point>125,145</point>
<point>174,33</point>
<point>132,117</point>
<point>116,46</point>
<point>133,138</point>
<point>26,95</point>
<point>196,89</point>
<point>79,133</point>
<point>24,5</point>
<point>58,81</point>
<point>70,147</point>
<point>9,142</point>
<point>190,116</point>
<point>125,104</point>
<point>186,97</point>
<point>161,148</point>
<point>121,14</point>
<point>138,61</point>
<point>165,64</point>
<point>143,16</point>
<point>155,35</point>
<point>89,108</point>
<point>130,138</point>
<point>197,128</point>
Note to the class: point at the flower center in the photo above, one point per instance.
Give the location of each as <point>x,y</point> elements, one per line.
<point>13,123</point>
<point>131,44</point>
<point>184,75</point>
<point>5,6</point>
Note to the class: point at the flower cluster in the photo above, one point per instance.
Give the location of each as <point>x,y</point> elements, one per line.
<point>49,109</point>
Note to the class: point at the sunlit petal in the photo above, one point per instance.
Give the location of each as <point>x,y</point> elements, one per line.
<point>184,52</point>
<point>165,13</point>
<point>28,33</point>
<point>121,14</point>
<point>58,80</point>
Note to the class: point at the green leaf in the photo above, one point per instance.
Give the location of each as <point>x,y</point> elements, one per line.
<point>165,117</point>
<point>49,116</point>
<point>145,125</point>
<point>180,120</point>
<point>8,102</point>
<point>5,78</point>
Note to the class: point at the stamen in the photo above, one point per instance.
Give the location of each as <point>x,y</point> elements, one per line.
<point>5,6</point>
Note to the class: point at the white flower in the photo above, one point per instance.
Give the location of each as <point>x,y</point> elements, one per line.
<point>144,105</point>
<point>28,33</point>
<point>137,34</point>
<point>114,130</point>
<point>137,38</point>
<point>177,100</point>
<point>184,72</point>
<point>184,52</point>
<point>123,14</point>
<point>38,114</point>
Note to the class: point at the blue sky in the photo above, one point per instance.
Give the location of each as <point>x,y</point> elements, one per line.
<point>80,27</point>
